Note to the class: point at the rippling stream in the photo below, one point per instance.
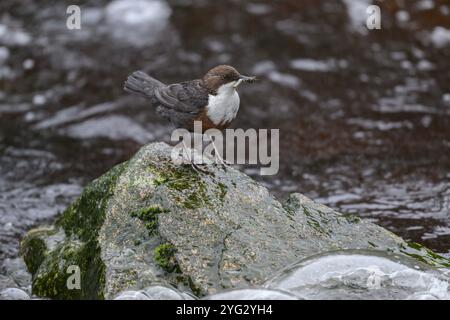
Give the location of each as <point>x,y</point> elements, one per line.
<point>364,116</point>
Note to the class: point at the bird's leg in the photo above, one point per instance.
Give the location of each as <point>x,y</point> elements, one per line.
<point>217,155</point>
<point>192,161</point>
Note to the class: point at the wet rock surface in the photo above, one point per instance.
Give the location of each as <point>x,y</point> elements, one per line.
<point>148,221</point>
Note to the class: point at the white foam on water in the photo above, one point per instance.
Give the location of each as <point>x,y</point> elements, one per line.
<point>312,65</point>
<point>284,79</point>
<point>113,127</point>
<point>258,8</point>
<point>440,37</point>
<point>356,10</point>
<point>138,12</point>
<point>13,36</point>
<point>4,55</point>
<point>263,67</point>
<point>138,22</point>
<point>425,5</point>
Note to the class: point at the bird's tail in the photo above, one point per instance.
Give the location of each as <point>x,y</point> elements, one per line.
<point>141,83</point>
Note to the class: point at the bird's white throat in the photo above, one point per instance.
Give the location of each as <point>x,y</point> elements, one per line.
<point>223,106</point>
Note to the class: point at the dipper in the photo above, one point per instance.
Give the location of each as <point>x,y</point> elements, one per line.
<point>213,99</point>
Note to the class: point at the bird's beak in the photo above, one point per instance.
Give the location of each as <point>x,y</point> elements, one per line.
<point>247,79</point>
<point>244,79</point>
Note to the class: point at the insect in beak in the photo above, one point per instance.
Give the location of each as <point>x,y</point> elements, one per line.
<point>247,79</point>
<point>244,79</point>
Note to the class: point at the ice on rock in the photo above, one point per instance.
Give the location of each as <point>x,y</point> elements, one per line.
<point>356,274</point>
<point>155,292</point>
<point>164,293</point>
<point>132,295</point>
<point>251,294</point>
<point>13,294</point>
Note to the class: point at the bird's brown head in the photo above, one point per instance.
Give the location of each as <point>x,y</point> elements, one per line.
<point>224,75</point>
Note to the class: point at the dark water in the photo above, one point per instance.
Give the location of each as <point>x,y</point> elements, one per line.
<point>364,116</point>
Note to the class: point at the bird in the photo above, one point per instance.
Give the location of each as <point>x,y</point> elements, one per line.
<point>213,99</point>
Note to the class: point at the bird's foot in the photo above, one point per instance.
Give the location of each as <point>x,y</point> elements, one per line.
<point>221,161</point>
<point>190,156</point>
<point>198,169</point>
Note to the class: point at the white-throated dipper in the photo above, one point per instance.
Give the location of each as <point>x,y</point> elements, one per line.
<point>213,100</point>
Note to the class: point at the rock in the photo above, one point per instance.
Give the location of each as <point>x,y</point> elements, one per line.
<point>16,270</point>
<point>6,282</point>
<point>15,275</point>
<point>148,221</point>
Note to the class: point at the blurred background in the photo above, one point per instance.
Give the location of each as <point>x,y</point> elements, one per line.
<point>364,115</point>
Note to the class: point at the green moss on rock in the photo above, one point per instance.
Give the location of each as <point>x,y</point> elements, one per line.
<point>352,218</point>
<point>165,257</point>
<point>184,181</point>
<point>423,254</point>
<point>81,223</point>
<point>149,216</point>
<point>85,216</point>
<point>315,222</point>
<point>223,191</point>
<point>52,281</point>
<point>34,249</point>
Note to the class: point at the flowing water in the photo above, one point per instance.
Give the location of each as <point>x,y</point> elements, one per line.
<point>364,115</point>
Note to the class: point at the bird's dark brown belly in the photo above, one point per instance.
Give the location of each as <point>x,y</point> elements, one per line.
<point>207,122</point>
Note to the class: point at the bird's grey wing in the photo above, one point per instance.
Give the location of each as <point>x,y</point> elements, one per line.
<point>186,97</point>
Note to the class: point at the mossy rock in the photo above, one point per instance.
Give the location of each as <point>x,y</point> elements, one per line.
<point>150,221</point>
